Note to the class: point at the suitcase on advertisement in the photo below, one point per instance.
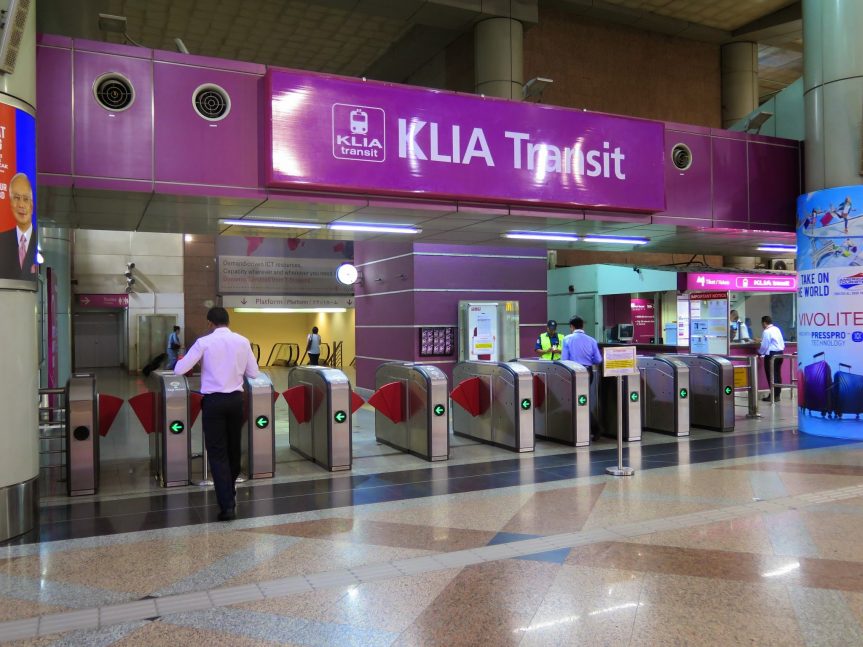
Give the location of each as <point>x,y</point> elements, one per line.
<point>847,392</point>
<point>818,386</point>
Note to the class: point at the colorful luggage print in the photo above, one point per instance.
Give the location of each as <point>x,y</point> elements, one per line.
<point>818,386</point>
<point>847,392</point>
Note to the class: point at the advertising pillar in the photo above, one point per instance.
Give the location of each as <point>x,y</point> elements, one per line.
<point>19,279</point>
<point>830,312</point>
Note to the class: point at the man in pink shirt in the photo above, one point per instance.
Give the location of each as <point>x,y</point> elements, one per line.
<point>225,358</point>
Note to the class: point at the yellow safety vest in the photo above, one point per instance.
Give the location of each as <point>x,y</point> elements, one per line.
<point>545,341</point>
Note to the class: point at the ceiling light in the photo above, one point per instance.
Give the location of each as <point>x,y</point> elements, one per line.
<point>275,224</point>
<point>617,240</point>
<point>379,229</point>
<point>538,235</point>
<point>792,249</point>
<point>534,88</point>
<point>286,310</point>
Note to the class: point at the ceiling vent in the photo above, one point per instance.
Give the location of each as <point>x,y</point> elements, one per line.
<point>14,18</point>
<point>211,102</point>
<point>681,157</point>
<point>114,92</point>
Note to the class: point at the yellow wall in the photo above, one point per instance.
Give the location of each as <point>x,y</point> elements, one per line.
<point>267,329</point>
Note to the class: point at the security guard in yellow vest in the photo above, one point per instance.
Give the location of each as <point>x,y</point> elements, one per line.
<point>549,343</point>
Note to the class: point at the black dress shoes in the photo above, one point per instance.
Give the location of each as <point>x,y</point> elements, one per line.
<point>227,515</point>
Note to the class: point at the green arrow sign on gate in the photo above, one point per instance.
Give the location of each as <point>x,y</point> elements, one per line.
<point>261,422</point>
<point>340,416</point>
<point>525,404</point>
<point>634,396</point>
<point>728,390</point>
<point>582,400</point>
<point>177,427</point>
<point>683,393</point>
<point>439,409</point>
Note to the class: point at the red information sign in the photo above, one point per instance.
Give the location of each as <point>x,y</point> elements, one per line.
<point>643,320</point>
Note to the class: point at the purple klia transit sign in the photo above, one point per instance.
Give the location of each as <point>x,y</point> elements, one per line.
<point>348,135</point>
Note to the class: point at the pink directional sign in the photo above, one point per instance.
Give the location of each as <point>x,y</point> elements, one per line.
<point>348,135</point>
<point>740,282</point>
<point>103,300</point>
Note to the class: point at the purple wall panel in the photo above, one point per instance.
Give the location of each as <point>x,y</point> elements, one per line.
<point>461,272</point>
<point>366,372</point>
<point>113,144</point>
<point>221,153</point>
<point>441,308</point>
<point>774,184</point>
<point>730,195</point>
<point>385,309</point>
<point>687,193</point>
<point>387,343</point>
<point>387,275</point>
<point>54,91</point>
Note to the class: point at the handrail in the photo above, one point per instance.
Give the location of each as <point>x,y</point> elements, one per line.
<point>752,389</point>
<point>792,372</point>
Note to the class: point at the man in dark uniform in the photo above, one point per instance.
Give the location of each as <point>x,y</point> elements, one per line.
<point>549,343</point>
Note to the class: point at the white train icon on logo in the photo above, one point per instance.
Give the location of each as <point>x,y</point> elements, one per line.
<point>359,122</point>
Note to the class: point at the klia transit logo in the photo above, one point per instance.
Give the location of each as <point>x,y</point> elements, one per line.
<point>358,133</point>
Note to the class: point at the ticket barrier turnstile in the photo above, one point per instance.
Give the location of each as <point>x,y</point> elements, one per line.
<point>665,394</point>
<point>410,402</point>
<point>171,440</point>
<point>630,407</point>
<point>82,435</point>
<point>259,439</point>
<point>711,391</point>
<point>495,404</point>
<point>320,402</point>
<point>561,400</point>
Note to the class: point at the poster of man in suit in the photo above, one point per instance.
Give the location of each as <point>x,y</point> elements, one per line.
<point>18,239</point>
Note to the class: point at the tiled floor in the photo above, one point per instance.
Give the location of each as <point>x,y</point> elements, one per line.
<point>745,538</point>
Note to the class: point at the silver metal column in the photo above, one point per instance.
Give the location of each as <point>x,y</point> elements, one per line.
<point>259,440</point>
<point>423,428</point>
<point>82,435</point>
<point>322,430</point>
<point>171,445</point>
<point>561,402</point>
<point>505,413</point>
<point>665,394</point>
<point>711,382</point>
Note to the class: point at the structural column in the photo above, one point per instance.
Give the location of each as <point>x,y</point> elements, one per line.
<point>56,246</point>
<point>19,278</point>
<point>498,58</point>
<point>829,223</point>
<point>739,81</point>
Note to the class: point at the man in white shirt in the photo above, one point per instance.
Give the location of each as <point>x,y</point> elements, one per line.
<point>772,343</point>
<point>225,358</point>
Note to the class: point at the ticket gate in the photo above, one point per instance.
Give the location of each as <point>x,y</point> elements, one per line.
<point>630,407</point>
<point>561,400</point>
<point>321,403</point>
<point>259,439</point>
<point>410,402</point>
<point>495,404</point>
<point>82,436</point>
<point>665,394</point>
<point>171,440</point>
<point>711,391</point>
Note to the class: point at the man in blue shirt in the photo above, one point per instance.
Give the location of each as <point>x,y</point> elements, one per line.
<point>173,348</point>
<point>581,348</point>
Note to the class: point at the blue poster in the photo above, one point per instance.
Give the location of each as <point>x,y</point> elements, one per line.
<point>830,312</point>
